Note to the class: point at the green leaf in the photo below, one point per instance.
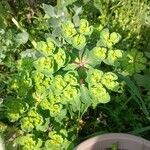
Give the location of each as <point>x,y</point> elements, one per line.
<point>133,89</point>
<point>70,67</point>
<point>28,53</point>
<point>56,33</point>
<point>114,147</point>
<point>77,10</point>
<point>61,116</point>
<point>41,46</point>
<point>64,3</point>
<point>76,104</point>
<point>104,38</point>
<point>79,41</point>
<point>44,127</point>
<point>55,22</point>
<point>85,97</point>
<point>49,10</point>
<point>2,23</point>
<point>4,7</point>
<point>115,37</point>
<point>76,21</point>
<point>140,130</point>
<point>142,80</point>
<point>90,59</point>
<point>82,73</point>
<point>147,54</point>
<point>22,38</point>
<point>98,4</point>
<point>53,39</point>
<point>86,1</point>
<point>39,144</point>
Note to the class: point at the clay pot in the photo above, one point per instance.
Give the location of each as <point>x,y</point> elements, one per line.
<point>123,142</point>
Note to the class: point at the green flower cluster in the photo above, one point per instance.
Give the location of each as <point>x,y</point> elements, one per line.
<point>85,28</point>
<point>63,89</point>
<point>104,50</point>
<point>32,120</point>
<point>25,63</point>
<point>114,57</point>
<point>21,83</point>
<point>130,61</point>
<point>57,141</point>
<point>109,80</point>
<point>59,83</point>
<point>14,109</point>
<point>60,57</point>
<point>68,30</point>
<point>41,83</point>
<point>45,65</point>
<point>109,57</point>
<point>98,81</point>
<point>100,53</point>
<point>46,48</point>
<point>77,37</point>
<point>79,41</point>
<point>55,108</point>
<point>70,92</point>
<point>66,87</point>
<point>99,94</point>
<point>54,58</point>
<point>108,39</point>
<point>28,142</point>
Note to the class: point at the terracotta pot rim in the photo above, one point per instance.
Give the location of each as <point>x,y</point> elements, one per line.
<point>113,136</point>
